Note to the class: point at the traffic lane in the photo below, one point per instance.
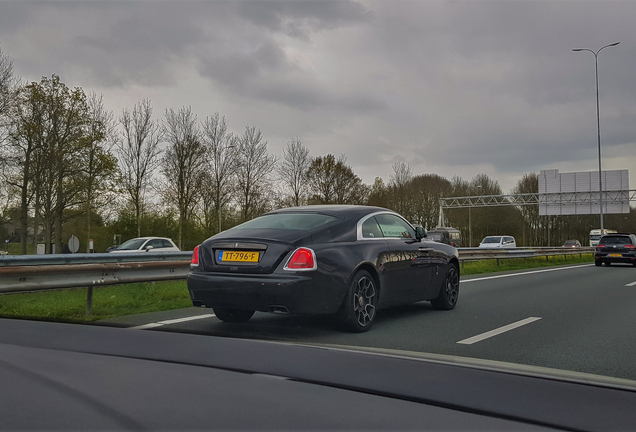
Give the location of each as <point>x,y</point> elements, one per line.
<point>416,327</point>
<point>568,302</point>
<point>588,328</point>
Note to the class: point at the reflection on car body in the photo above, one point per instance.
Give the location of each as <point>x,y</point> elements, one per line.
<point>340,260</point>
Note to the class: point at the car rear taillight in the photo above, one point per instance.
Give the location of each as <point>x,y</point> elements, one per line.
<point>630,247</point>
<point>600,246</point>
<point>302,259</point>
<point>195,257</point>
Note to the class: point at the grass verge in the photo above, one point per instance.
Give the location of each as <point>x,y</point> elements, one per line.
<point>491,266</point>
<point>111,301</point>
<point>108,301</point>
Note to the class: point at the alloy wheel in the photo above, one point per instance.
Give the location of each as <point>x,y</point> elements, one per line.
<point>452,285</point>
<point>364,299</point>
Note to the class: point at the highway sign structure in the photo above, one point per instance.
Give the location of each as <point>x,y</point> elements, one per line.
<point>578,192</point>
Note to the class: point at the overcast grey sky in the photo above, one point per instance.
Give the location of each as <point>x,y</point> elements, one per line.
<point>450,87</point>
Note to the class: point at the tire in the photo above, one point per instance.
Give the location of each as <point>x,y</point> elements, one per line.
<point>358,310</point>
<point>449,291</point>
<point>597,263</point>
<point>233,315</point>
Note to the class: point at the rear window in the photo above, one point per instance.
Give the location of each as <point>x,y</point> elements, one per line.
<point>616,240</point>
<point>288,221</point>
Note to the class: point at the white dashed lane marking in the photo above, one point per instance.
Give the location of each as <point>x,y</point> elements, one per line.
<point>498,331</point>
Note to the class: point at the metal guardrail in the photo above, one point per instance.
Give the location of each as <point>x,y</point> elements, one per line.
<point>19,273</point>
<point>478,254</point>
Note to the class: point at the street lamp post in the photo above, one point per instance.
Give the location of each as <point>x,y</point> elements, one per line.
<point>598,127</point>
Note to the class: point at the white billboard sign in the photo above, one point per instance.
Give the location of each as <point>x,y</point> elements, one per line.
<point>577,193</point>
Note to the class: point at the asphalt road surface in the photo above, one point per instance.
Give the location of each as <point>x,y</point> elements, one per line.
<point>579,318</point>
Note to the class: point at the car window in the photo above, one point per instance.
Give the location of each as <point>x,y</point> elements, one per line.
<point>371,229</point>
<point>166,243</point>
<point>131,244</point>
<point>394,226</point>
<point>616,240</point>
<point>492,240</point>
<point>155,243</point>
<point>288,221</point>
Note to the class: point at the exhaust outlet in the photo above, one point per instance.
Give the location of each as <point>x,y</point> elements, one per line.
<point>281,310</point>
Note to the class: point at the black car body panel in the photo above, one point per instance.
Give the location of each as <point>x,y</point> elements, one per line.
<point>404,269</point>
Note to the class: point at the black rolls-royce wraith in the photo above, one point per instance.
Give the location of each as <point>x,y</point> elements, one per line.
<point>330,259</point>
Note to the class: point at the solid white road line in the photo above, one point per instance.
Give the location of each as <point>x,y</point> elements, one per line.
<point>524,273</point>
<point>498,331</point>
<point>631,284</point>
<point>172,321</point>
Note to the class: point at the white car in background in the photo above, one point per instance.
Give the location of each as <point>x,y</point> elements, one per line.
<point>146,244</point>
<point>492,242</point>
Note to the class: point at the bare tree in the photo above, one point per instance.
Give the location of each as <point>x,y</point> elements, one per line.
<point>253,173</point>
<point>402,201</point>
<point>221,153</point>
<point>138,154</point>
<point>98,163</point>
<point>7,82</point>
<point>183,163</point>
<point>293,170</point>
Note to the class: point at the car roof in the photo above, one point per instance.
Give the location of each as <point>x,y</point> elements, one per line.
<point>444,229</point>
<point>340,211</point>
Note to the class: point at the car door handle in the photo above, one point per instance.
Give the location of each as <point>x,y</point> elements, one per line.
<point>426,249</point>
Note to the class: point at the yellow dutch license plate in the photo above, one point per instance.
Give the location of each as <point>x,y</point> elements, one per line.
<point>238,256</point>
<point>615,255</point>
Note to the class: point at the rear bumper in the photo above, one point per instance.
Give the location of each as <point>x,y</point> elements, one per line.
<point>299,294</point>
<point>629,258</point>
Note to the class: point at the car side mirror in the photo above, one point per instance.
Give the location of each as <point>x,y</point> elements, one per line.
<point>148,248</point>
<point>420,233</point>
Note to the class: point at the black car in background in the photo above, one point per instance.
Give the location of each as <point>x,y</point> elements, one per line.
<point>448,235</point>
<point>347,261</point>
<point>619,248</point>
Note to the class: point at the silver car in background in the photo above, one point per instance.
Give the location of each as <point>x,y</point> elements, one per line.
<point>146,244</point>
<point>495,242</point>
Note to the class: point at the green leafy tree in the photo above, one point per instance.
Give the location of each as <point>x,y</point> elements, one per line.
<point>332,181</point>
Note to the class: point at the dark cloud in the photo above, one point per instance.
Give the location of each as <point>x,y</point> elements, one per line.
<point>298,18</point>
<point>455,86</point>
